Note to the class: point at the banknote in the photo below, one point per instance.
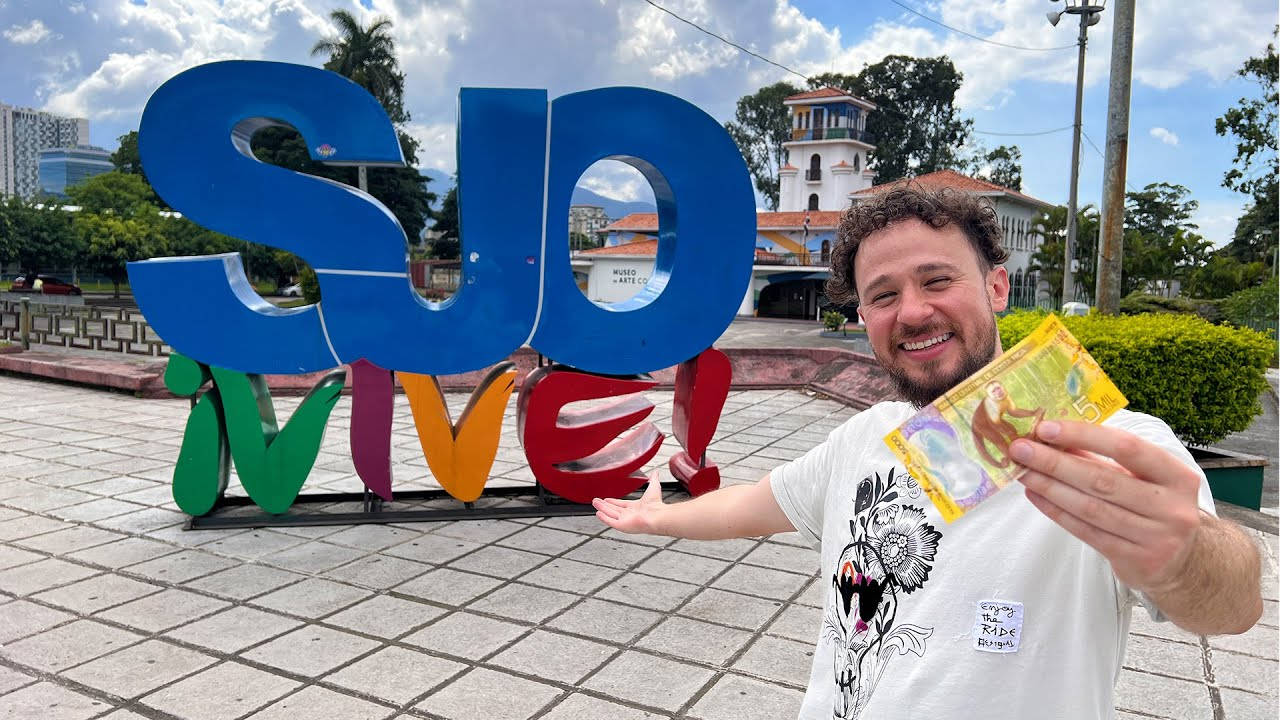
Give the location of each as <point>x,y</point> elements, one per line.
<point>957,447</point>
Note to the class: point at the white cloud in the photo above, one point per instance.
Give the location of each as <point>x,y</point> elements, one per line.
<point>1165,136</point>
<point>1217,219</point>
<point>30,34</point>
<point>616,180</point>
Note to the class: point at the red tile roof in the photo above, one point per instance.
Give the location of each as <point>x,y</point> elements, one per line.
<point>818,219</point>
<point>825,92</point>
<point>952,179</point>
<point>649,248</point>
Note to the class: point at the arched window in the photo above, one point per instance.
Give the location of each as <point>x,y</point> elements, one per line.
<point>813,201</point>
<point>815,168</point>
<point>826,251</point>
<point>857,162</point>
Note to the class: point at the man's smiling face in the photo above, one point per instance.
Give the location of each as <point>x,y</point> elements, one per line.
<point>928,306</point>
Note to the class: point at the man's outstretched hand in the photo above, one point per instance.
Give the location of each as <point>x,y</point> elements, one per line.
<point>633,516</point>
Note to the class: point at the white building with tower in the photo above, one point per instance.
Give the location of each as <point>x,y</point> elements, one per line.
<point>826,158</point>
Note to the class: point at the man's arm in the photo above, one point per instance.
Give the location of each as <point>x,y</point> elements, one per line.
<point>730,512</point>
<point>1141,513</point>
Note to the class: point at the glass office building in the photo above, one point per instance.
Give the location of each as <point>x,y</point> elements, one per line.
<point>61,168</point>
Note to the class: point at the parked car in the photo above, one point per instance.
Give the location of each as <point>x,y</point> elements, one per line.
<point>294,290</point>
<point>47,284</point>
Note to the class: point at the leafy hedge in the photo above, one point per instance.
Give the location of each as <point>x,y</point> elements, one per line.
<point>1253,306</point>
<point>1202,379</point>
<point>1136,303</point>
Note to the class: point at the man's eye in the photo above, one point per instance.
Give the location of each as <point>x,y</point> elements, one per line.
<point>881,298</point>
<point>939,281</point>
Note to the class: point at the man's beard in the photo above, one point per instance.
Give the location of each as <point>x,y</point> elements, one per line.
<point>920,394</point>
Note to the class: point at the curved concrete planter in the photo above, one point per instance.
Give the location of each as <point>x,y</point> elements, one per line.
<point>1233,477</point>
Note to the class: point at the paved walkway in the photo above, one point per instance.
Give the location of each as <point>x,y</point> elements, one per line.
<point>108,609</point>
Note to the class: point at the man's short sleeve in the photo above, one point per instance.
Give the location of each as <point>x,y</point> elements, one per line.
<point>800,486</point>
<point>1156,431</point>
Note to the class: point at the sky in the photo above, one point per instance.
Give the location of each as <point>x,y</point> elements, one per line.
<point>101,59</point>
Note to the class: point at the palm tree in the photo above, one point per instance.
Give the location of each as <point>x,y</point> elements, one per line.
<point>367,56</point>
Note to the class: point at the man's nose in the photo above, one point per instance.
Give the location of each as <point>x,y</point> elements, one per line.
<point>914,308</point>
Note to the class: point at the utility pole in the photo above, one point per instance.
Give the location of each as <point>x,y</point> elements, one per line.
<point>1068,273</point>
<point>1111,241</point>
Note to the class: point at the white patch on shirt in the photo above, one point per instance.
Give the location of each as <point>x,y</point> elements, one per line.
<point>997,626</point>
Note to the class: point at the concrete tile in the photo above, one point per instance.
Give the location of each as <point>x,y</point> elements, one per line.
<point>253,544</point>
<point>12,679</point>
<point>181,566</point>
<point>29,525</point>
<point>69,540</point>
<point>674,565</point>
<point>49,498</point>
<point>524,603</point>
<point>1165,657</point>
<point>1238,705</point>
<point>721,549</point>
<point>128,551</point>
<point>649,680</point>
<point>385,616</point>
<point>449,587</point>
<point>606,620</point>
<point>1242,672</point>
<point>235,629</point>
<point>761,582</point>
<point>647,591</point>
<point>378,572</point>
<point>797,622</point>
<point>582,525</point>
<point>432,548</point>
<point>312,598</point>
<point>778,660</point>
<point>501,562</point>
<point>1163,697</point>
<point>491,695</point>
<point>96,510</point>
<point>610,553</point>
<point>1261,642</point>
<point>310,650</point>
<point>223,692</point>
<point>372,537</point>
<point>784,557</point>
<point>395,674</point>
<point>313,557</point>
<point>544,540</point>
<point>570,576</point>
<point>37,576</point>
<point>245,581</point>
<point>21,618</point>
<point>97,593</point>
<point>163,610</point>
<point>143,521</point>
<point>734,697</point>
<point>139,669</point>
<point>694,640</point>
<point>1142,624</point>
<point>317,702</point>
<point>585,707</point>
<point>729,608</point>
<point>478,531</point>
<point>554,656</point>
<point>68,645</point>
<point>47,701</point>
<point>465,635</point>
<point>11,556</point>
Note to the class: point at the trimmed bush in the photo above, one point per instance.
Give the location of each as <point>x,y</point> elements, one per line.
<point>1136,303</point>
<point>1202,379</point>
<point>1253,307</point>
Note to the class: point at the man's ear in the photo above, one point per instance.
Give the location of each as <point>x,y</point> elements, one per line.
<point>998,288</point>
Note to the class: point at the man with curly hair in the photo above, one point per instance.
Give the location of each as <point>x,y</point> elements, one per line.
<point>1020,609</point>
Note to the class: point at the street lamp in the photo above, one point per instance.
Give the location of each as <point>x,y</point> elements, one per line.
<point>1090,14</point>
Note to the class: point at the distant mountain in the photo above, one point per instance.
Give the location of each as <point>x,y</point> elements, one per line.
<point>441,181</point>
<point>615,209</point>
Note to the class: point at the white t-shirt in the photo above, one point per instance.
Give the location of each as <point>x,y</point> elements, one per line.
<point>1001,614</point>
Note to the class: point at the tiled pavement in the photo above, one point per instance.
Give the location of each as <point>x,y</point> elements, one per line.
<point>108,609</point>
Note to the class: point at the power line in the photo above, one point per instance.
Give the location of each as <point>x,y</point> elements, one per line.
<point>1023,134</point>
<point>727,41</point>
<point>1102,155</point>
<point>978,37</point>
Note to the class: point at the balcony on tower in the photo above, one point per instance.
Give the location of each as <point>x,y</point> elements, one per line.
<point>829,151</point>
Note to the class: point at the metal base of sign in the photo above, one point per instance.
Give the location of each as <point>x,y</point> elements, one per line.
<point>544,505</point>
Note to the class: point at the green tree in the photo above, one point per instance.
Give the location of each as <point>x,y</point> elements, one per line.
<point>916,127</point>
<point>35,237</point>
<point>1046,261</point>
<point>761,124</point>
<point>1253,124</point>
<point>114,192</point>
<point>1002,166</point>
<point>111,241</point>
<point>449,244</point>
<point>1159,209</point>
<point>1257,230</point>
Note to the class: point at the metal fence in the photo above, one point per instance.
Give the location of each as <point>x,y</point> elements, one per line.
<point>107,329</point>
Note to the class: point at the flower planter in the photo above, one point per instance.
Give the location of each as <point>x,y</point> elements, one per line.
<point>1233,477</point>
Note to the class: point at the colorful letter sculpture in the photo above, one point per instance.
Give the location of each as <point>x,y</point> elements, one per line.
<point>702,384</point>
<point>271,462</point>
<point>460,454</point>
<point>575,453</point>
<point>519,158</point>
